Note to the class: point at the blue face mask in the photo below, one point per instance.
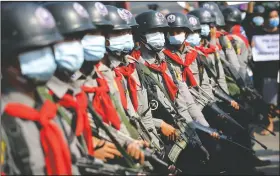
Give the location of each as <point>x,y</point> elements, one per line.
<point>69,55</point>
<point>205,30</point>
<point>156,40</point>
<point>94,47</point>
<point>38,65</point>
<point>193,39</point>
<point>258,20</point>
<point>117,44</point>
<point>129,44</point>
<point>274,22</point>
<point>177,39</point>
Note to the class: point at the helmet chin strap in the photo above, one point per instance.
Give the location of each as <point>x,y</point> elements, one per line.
<point>147,45</point>
<point>114,53</point>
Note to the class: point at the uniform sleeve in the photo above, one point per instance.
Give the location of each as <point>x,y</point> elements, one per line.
<point>222,78</point>
<point>188,107</point>
<point>230,54</point>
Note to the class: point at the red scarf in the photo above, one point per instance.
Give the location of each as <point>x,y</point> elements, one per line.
<point>103,104</point>
<point>187,73</point>
<point>127,71</point>
<point>82,120</point>
<point>171,87</point>
<point>206,51</point>
<point>57,153</point>
<point>118,80</point>
<point>236,30</point>
<point>136,54</point>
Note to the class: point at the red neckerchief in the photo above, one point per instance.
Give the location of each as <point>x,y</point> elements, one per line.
<point>136,54</point>
<point>102,103</point>
<point>171,87</point>
<point>82,120</point>
<point>187,73</point>
<point>236,30</point>
<point>118,80</point>
<point>206,51</point>
<point>127,71</point>
<point>56,150</point>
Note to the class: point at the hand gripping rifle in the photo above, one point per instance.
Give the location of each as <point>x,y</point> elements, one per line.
<point>124,141</point>
<point>208,101</point>
<point>108,135</point>
<point>186,134</point>
<point>210,131</point>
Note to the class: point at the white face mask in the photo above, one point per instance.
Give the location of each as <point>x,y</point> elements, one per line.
<point>38,65</point>
<point>117,44</point>
<point>156,40</point>
<point>129,43</point>
<point>177,39</point>
<point>94,47</point>
<point>69,55</point>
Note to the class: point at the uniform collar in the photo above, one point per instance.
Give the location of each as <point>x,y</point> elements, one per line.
<point>60,88</point>
<point>13,96</point>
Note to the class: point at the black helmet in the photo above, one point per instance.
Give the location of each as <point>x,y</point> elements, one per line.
<point>26,25</point>
<point>178,20</point>
<point>232,14</point>
<point>205,16</point>
<point>193,22</point>
<point>131,19</point>
<point>70,17</point>
<point>117,17</point>
<point>97,12</point>
<point>151,20</point>
<point>214,8</point>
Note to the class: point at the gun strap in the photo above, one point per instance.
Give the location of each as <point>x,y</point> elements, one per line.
<point>18,144</point>
<point>43,93</point>
<point>99,121</point>
<point>200,69</point>
<point>132,131</point>
<point>146,74</point>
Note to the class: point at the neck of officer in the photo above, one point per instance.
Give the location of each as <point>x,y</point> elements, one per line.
<point>147,54</point>
<point>88,67</point>
<point>20,84</point>
<point>112,61</point>
<point>63,75</point>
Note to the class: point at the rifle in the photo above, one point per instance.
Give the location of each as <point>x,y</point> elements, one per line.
<point>183,129</point>
<point>213,106</point>
<point>145,135</point>
<point>149,154</point>
<point>249,93</point>
<point>98,121</point>
<point>93,166</point>
<point>209,131</point>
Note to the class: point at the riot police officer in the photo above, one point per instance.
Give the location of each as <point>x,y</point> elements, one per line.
<point>31,128</point>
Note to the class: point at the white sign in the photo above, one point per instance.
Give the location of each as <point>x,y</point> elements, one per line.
<point>266,47</point>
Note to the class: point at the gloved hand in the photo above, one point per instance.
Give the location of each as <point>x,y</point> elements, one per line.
<point>168,131</point>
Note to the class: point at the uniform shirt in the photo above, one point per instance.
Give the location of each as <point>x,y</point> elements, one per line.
<point>143,104</point>
<point>31,134</point>
<point>83,80</point>
<point>228,53</point>
<point>244,55</point>
<point>216,67</point>
<point>184,101</point>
